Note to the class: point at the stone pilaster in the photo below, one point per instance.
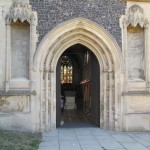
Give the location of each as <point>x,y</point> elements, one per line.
<point>147,55</point>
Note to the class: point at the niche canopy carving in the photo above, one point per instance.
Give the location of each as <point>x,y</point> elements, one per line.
<point>21,24</point>
<point>134,25</point>
<point>135,16</point>
<point>21,11</point>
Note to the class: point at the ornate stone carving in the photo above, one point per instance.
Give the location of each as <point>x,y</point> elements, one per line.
<point>134,16</point>
<point>133,25</point>
<point>21,11</point>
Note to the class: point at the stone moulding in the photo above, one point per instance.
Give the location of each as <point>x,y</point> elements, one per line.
<point>18,93</point>
<point>131,93</point>
<point>21,11</point>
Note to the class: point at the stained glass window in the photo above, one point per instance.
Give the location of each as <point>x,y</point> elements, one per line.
<point>66,70</point>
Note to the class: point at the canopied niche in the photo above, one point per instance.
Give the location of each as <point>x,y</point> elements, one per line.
<point>20,46</point>
<point>21,40</point>
<point>136,48</point>
<point>134,25</point>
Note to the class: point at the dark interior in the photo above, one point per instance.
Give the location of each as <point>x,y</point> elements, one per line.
<point>83,89</point>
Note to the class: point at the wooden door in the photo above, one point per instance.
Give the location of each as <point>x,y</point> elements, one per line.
<point>58,94</point>
<point>95,91</point>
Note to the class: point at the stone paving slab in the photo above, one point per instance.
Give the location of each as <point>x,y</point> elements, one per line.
<point>144,142</point>
<point>48,148</point>
<point>88,142</point>
<point>81,137</point>
<point>91,147</point>
<point>134,146</point>
<point>94,138</point>
<point>110,144</point>
<point>123,138</point>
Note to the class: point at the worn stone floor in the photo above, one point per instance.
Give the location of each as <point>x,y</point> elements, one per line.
<point>85,136</point>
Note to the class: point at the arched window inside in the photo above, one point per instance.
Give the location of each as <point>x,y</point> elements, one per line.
<point>66,70</point>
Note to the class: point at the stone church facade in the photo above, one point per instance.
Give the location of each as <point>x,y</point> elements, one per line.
<point>35,33</point>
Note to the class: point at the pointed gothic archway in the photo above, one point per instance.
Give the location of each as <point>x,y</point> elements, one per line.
<point>78,80</point>
<point>108,54</point>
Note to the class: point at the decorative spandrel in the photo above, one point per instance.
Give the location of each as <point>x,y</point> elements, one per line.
<point>66,72</point>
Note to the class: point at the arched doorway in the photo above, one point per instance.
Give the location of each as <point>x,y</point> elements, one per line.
<point>109,57</point>
<point>78,80</point>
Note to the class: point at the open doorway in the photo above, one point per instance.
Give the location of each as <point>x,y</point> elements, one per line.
<point>47,61</point>
<point>78,83</point>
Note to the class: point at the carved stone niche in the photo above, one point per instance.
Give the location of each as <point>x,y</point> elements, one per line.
<point>20,46</point>
<point>136,48</point>
<point>134,25</point>
<point>21,24</point>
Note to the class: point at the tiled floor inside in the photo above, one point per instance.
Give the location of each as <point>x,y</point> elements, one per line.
<point>74,116</point>
<point>81,135</point>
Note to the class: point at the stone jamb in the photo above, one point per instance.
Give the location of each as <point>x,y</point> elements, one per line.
<point>147,54</point>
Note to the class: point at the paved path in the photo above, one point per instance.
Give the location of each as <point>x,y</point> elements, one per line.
<point>93,138</point>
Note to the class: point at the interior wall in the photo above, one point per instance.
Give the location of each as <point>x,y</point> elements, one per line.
<point>76,71</point>
<point>87,67</point>
<point>76,53</point>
